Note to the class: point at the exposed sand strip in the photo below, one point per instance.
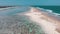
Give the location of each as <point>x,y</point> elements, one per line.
<point>48,23</point>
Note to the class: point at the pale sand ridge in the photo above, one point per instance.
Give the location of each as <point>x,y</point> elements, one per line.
<point>48,26</point>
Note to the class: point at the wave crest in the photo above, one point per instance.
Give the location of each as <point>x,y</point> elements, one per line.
<point>48,10</point>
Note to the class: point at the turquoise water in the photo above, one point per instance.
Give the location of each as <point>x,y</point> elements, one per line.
<point>14,10</point>
<point>21,20</point>
<point>19,24</point>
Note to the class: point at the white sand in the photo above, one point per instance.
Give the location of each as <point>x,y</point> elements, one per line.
<point>47,26</point>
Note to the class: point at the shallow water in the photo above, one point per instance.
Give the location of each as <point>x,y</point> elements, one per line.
<point>12,23</point>
<point>13,10</point>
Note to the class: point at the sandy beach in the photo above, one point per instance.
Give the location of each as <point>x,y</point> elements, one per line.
<point>50,24</point>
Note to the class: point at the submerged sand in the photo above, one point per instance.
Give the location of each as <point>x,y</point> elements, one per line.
<point>50,24</point>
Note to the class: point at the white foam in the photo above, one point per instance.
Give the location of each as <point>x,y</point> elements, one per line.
<point>48,10</point>
<point>47,26</point>
<point>56,14</point>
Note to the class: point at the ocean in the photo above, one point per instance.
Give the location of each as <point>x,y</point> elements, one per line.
<point>13,10</point>
<point>11,22</point>
<point>55,9</point>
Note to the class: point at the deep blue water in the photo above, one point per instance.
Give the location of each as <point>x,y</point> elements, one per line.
<point>18,19</point>
<point>19,9</point>
<point>55,9</point>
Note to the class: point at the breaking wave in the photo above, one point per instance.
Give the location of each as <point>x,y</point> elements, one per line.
<point>48,10</point>
<point>15,10</point>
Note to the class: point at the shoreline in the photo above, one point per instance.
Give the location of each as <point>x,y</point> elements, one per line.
<point>36,16</point>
